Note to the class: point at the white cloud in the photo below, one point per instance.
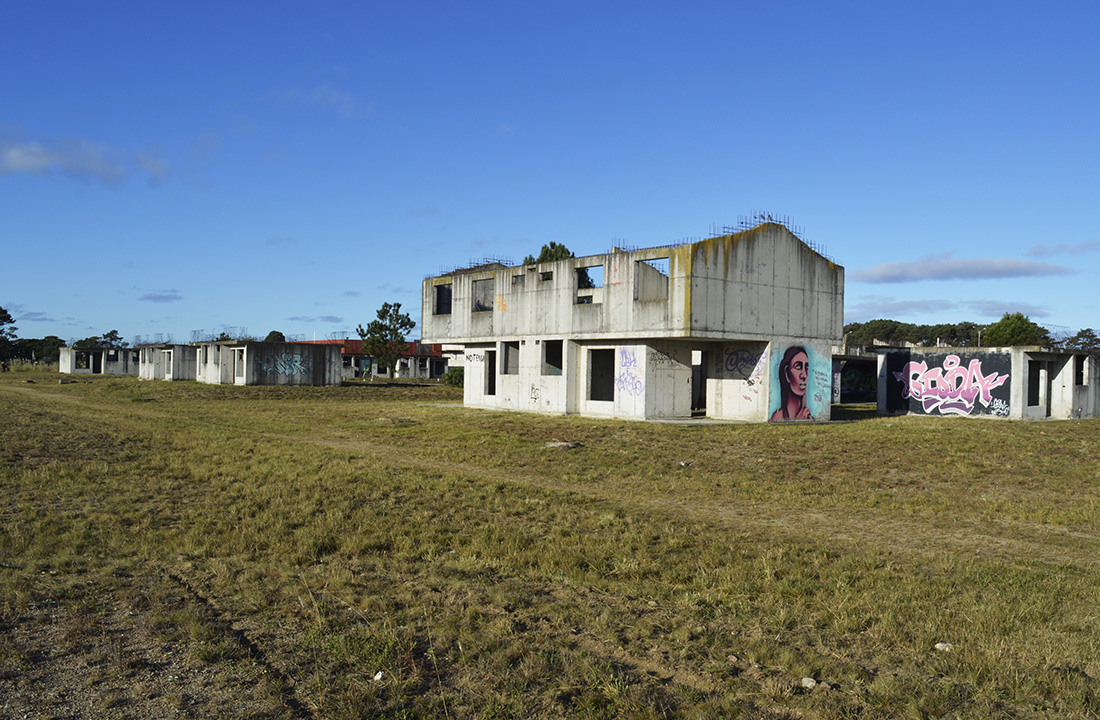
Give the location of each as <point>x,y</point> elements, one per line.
<point>79,159</point>
<point>948,268</point>
<point>323,95</point>
<point>997,308</point>
<point>870,307</point>
<point>1045,250</point>
<point>161,296</point>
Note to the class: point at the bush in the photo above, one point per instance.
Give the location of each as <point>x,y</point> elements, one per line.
<point>454,377</point>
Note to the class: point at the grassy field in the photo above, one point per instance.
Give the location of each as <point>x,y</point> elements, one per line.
<point>181,550</point>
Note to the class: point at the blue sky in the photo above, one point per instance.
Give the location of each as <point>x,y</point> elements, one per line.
<point>173,167</point>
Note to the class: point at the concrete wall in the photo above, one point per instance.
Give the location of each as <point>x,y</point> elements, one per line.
<point>1015,383</point>
<point>259,363</point>
<point>168,362</point>
<point>763,282</point>
<point>753,285</point>
<point>98,361</point>
<point>643,380</point>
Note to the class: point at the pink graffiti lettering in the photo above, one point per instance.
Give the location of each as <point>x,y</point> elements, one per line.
<point>952,389</point>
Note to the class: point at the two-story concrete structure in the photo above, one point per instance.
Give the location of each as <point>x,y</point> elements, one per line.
<point>737,327</point>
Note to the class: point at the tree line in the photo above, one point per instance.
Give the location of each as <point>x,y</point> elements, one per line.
<point>1011,329</point>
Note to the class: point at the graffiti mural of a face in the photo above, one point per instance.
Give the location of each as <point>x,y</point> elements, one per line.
<point>793,377</point>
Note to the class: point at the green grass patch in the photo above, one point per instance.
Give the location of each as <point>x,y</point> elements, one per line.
<point>377,551</point>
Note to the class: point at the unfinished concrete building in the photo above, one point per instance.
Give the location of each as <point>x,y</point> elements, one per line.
<point>738,327</point>
<point>248,362</point>
<point>167,362</point>
<point>98,361</point>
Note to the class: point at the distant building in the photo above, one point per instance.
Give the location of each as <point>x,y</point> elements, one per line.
<point>98,361</point>
<point>417,361</point>
<point>167,362</point>
<point>736,327</point>
<point>243,362</point>
<point>247,362</point>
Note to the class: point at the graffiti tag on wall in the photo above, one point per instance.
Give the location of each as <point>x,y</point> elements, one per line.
<point>951,389</point>
<point>741,361</point>
<point>627,381</point>
<point>660,358</point>
<point>285,364</point>
<point>475,357</point>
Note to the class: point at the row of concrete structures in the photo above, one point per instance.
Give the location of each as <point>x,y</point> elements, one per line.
<point>248,362</point>
<point>747,327</point>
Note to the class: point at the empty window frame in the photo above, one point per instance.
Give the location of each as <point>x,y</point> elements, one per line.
<point>483,295</point>
<point>1080,369</point>
<point>601,375</point>
<point>651,279</point>
<point>510,364</point>
<point>547,275</point>
<point>518,281</point>
<point>589,280</point>
<point>442,299</point>
<point>552,359</point>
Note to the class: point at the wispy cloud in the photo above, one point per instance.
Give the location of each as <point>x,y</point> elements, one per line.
<point>324,95</point>
<point>80,159</point>
<point>944,267</point>
<point>506,129</point>
<point>161,296</point>
<point>352,293</point>
<point>997,308</point>
<point>870,307</point>
<point>426,211</point>
<point>321,318</point>
<point>153,163</point>
<point>34,317</point>
<point>1063,248</point>
<point>77,159</point>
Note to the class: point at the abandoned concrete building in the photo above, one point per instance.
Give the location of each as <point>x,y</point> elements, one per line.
<point>98,361</point>
<point>418,361</point>
<point>737,327</point>
<point>167,362</point>
<point>243,362</point>
<point>1020,383</point>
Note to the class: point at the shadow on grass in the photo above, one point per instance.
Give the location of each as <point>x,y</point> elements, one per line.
<point>850,412</point>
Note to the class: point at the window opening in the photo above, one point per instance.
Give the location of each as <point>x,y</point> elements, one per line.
<point>511,358</point>
<point>552,357</point>
<point>589,279</point>
<point>483,295</point>
<point>651,279</point>
<point>519,280</point>
<point>548,275</point>
<point>443,299</point>
<point>1080,362</point>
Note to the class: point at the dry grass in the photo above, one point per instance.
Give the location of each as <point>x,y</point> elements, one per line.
<point>379,552</point>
